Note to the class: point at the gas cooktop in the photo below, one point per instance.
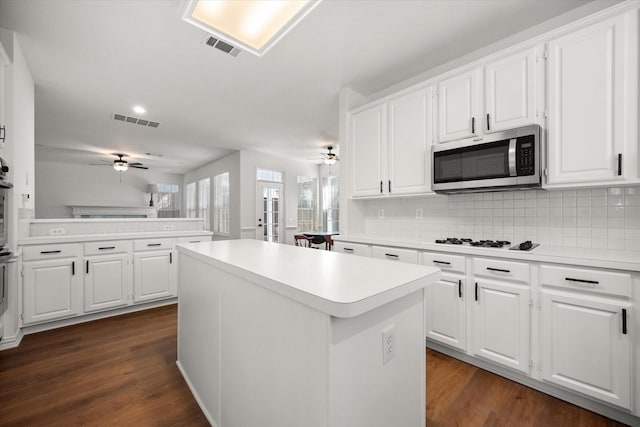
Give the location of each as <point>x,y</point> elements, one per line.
<point>524,246</point>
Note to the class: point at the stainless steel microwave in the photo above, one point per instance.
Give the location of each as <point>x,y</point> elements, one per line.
<point>504,160</point>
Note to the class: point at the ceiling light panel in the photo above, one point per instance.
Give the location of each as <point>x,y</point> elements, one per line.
<point>252,25</point>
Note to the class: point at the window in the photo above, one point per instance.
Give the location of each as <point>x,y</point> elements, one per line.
<point>221,203</point>
<point>267,175</point>
<point>190,202</point>
<point>203,201</point>
<point>168,201</point>
<point>330,203</point>
<point>307,196</point>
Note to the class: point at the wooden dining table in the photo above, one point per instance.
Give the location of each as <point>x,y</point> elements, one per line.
<point>326,234</point>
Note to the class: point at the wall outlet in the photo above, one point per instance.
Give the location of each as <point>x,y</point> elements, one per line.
<point>380,213</point>
<point>56,231</point>
<point>168,227</point>
<point>419,213</point>
<point>388,343</point>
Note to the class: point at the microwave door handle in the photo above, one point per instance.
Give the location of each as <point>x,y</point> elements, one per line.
<point>512,157</point>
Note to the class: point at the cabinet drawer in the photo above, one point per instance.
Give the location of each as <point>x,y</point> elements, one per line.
<point>152,244</point>
<point>395,254</point>
<point>604,282</point>
<point>501,269</point>
<point>446,262</point>
<point>30,253</point>
<point>352,248</point>
<point>193,239</point>
<point>107,247</point>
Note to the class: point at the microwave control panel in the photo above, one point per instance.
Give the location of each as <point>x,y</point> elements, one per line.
<point>525,156</point>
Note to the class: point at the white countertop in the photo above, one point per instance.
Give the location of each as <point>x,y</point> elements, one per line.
<point>599,258</point>
<point>80,238</point>
<point>338,284</point>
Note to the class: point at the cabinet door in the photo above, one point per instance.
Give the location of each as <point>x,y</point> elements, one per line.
<point>510,92</point>
<point>154,275</point>
<point>107,281</point>
<point>585,347</point>
<point>368,140</point>
<point>445,312</point>
<point>457,110</point>
<point>501,322</point>
<point>409,148</point>
<point>589,96</point>
<point>51,289</point>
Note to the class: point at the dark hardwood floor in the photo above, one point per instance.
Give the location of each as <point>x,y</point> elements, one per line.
<point>121,371</point>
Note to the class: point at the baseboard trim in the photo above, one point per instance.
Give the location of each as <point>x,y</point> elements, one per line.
<point>600,408</point>
<point>11,342</point>
<point>195,394</point>
<point>95,316</point>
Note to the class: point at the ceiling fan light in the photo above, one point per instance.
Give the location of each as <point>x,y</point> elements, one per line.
<point>329,161</point>
<point>120,165</point>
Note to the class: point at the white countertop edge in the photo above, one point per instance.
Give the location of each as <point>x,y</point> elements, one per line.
<point>90,220</point>
<point>588,257</point>
<point>333,308</point>
<point>80,238</point>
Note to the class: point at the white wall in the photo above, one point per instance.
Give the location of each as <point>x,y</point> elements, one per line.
<point>231,164</point>
<point>20,141</point>
<point>59,185</point>
<point>250,162</point>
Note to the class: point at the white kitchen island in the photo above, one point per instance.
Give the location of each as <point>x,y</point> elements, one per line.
<point>279,335</point>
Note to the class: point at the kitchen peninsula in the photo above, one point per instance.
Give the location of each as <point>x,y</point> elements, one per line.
<point>278,335</point>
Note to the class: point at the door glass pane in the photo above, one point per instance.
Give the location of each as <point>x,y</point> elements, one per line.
<point>271,218</point>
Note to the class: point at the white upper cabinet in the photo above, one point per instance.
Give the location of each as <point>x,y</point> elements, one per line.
<point>390,146</point>
<point>510,92</point>
<point>457,106</point>
<point>410,143</point>
<point>592,103</point>
<point>368,138</point>
<point>497,96</point>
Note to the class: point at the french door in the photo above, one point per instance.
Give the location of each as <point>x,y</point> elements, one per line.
<point>269,205</point>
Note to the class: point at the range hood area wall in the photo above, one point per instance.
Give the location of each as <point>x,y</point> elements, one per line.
<point>590,218</point>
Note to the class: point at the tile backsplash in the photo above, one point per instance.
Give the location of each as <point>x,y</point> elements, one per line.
<point>588,218</point>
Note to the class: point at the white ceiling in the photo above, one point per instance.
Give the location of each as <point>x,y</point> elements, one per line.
<point>93,58</point>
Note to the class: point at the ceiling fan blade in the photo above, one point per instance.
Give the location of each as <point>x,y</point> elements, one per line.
<point>137,167</point>
<point>135,164</point>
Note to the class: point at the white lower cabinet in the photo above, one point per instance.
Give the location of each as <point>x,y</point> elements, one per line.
<point>154,275</point>
<point>587,342</point>
<point>445,311</point>
<point>501,323</point>
<point>445,301</point>
<point>107,281</point>
<point>67,280</point>
<point>501,312</point>
<point>52,283</point>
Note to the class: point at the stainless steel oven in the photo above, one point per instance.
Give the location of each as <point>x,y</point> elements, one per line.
<point>501,161</point>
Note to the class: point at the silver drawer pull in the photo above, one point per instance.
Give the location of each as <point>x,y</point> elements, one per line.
<point>392,255</point>
<point>106,248</point>
<point>587,282</point>
<point>348,249</point>
<point>501,270</point>
<point>194,241</point>
<point>50,252</point>
<point>154,244</point>
<point>442,262</point>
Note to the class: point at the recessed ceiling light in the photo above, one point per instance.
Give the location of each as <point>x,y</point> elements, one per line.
<point>252,25</point>
<point>139,109</point>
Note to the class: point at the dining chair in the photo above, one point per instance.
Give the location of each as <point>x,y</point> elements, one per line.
<point>301,240</point>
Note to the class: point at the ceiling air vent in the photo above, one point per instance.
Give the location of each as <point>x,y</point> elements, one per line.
<point>135,120</point>
<point>222,45</point>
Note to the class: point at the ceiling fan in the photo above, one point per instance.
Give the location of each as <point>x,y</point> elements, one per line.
<point>329,157</point>
<point>120,164</point>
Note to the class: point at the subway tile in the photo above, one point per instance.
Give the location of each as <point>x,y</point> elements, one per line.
<point>615,212</point>
<point>583,221</point>
<point>583,201</point>
<point>615,223</point>
<point>582,242</point>
<point>615,201</point>
<point>632,200</point>
<point>614,191</point>
<point>598,192</point>
<point>569,211</point>
<point>599,243</point>
<point>616,244</point>
<point>555,203</point>
<point>599,200</point>
<point>568,194</point>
